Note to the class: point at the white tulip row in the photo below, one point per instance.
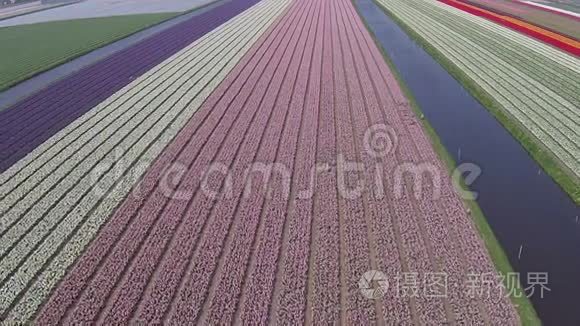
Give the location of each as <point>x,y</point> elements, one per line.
<point>553,118</point>
<point>48,202</point>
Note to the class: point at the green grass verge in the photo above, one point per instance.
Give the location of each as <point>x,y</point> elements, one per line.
<point>547,160</point>
<point>526,311</point>
<point>28,50</point>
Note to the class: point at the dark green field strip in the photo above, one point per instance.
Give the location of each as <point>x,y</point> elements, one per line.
<point>30,49</point>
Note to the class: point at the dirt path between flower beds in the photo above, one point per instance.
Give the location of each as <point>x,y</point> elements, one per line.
<point>256,212</point>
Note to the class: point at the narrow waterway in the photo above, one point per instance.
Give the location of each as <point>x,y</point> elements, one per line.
<point>523,205</point>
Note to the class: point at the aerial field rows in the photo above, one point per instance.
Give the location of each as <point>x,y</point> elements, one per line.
<point>274,233</point>
<point>56,199</point>
<point>542,17</point>
<point>556,39</point>
<point>569,9</point>
<point>98,9</point>
<point>27,8</point>
<point>535,84</point>
<point>32,49</point>
<point>35,119</point>
<point>10,11</point>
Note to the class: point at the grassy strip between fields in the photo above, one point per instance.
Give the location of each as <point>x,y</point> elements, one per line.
<point>547,160</point>
<point>28,50</point>
<point>523,305</point>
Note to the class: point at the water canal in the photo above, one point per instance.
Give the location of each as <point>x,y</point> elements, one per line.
<point>523,205</point>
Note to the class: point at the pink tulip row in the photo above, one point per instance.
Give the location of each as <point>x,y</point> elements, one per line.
<point>254,212</point>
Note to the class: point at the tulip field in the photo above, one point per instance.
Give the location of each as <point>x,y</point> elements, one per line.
<point>559,22</point>
<point>213,182</point>
<point>532,87</point>
<point>549,36</point>
<point>34,119</point>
